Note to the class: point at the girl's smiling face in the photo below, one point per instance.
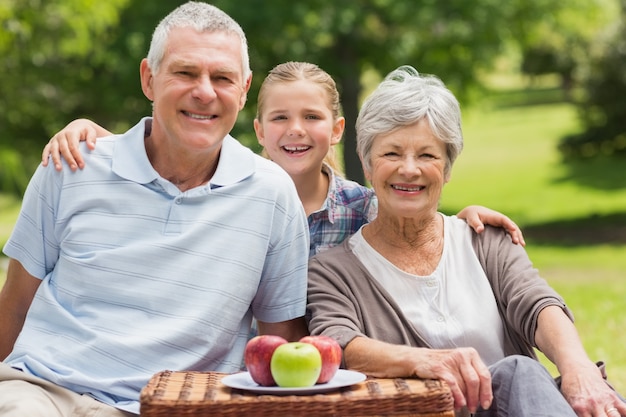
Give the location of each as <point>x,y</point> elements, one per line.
<point>408,171</point>
<point>297,126</point>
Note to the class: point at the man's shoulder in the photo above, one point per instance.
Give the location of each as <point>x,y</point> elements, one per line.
<point>266,167</point>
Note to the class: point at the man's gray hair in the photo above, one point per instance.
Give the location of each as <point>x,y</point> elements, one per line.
<point>202,17</point>
<point>403,98</point>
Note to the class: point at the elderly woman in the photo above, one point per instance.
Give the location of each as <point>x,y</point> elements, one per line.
<point>418,294</point>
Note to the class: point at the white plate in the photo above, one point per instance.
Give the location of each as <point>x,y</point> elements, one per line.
<point>342,378</point>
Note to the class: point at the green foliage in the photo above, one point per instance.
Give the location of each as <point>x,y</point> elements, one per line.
<point>51,57</point>
<point>351,38</point>
<point>560,40</point>
<point>64,59</point>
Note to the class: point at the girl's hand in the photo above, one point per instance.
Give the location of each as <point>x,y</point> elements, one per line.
<point>65,143</point>
<point>478,216</point>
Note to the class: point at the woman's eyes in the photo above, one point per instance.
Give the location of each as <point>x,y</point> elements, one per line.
<point>394,154</point>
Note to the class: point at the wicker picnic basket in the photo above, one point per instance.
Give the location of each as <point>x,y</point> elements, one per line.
<point>200,394</point>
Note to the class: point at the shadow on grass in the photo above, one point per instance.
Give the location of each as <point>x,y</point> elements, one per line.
<point>585,231</point>
<point>530,96</point>
<point>603,172</point>
<point>600,171</point>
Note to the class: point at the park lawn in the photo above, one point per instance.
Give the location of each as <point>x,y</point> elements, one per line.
<point>595,291</point>
<point>510,163</point>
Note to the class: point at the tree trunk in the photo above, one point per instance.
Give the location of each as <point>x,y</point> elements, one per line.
<point>349,84</point>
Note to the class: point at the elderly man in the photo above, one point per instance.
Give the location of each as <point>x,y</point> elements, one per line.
<point>159,253</point>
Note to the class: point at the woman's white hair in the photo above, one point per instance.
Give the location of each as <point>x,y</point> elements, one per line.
<point>403,98</point>
<point>202,17</point>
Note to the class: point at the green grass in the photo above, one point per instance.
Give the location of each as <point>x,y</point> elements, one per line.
<point>510,162</point>
<point>573,215</point>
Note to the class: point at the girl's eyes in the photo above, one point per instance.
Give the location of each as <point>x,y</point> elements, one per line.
<point>309,117</point>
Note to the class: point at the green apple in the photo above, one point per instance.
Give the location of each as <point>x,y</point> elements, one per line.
<point>296,364</point>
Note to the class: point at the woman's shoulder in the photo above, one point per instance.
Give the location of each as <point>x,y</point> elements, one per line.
<point>335,253</point>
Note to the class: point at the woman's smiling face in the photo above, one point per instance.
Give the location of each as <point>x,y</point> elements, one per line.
<point>408,171</point>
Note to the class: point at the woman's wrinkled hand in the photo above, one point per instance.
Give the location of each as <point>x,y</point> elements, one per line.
<point>465,373</point>
<point>589,395</point>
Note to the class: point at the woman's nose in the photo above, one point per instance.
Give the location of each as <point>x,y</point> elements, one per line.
<point>410,166</point>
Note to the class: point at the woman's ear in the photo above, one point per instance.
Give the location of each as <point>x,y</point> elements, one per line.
<point>447,173</point>
<point>366,172</point>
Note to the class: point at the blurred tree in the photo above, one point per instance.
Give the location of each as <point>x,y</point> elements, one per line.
<point>50,53</point>
<point>63,59</point>
<point>559,39</point>
<point>601,107</point>
<point>351,39</point>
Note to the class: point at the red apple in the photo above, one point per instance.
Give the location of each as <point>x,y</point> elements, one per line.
<point>331,355</point>
<point>258,355</point>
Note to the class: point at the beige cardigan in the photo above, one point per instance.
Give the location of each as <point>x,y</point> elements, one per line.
<point>345,301</point>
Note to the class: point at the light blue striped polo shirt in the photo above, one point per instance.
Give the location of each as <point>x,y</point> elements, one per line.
<point>139,277</point>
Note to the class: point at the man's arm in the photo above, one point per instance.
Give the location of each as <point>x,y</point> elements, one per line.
<point>15,299</point>
<point>292,330</point>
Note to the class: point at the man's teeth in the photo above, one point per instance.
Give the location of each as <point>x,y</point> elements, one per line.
<point>403,188</point>
<point>199,116</point>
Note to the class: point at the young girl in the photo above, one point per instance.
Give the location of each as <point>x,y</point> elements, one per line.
<point>298,123</point>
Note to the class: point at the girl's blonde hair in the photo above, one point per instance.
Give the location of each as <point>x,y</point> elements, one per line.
<point>294,71</point>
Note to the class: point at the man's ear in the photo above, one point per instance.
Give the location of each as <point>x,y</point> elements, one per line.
<point>244,93</point>
<point>146,79</point>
